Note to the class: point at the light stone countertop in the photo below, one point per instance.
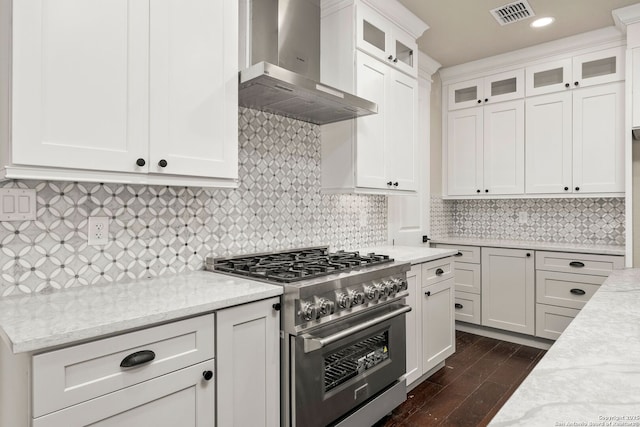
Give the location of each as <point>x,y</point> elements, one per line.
<point>528,244</point>
<point>35,322</point>
<point>592,371</point>
<point>412,254</point>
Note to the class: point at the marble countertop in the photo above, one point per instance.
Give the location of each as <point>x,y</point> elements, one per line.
<point>591,374</point>
<point>412,254</point>
<point>527,244</point>
<point>36,322</point>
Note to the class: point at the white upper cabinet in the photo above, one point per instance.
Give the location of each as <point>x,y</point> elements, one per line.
<point>485,150</point>
<point>589,69</point>
<point>138,93</point>
<point>495,88</point>
<point>382,39</point>
<point>377,153</point>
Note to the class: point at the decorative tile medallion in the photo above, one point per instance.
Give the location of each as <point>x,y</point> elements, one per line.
<point>155,230</point>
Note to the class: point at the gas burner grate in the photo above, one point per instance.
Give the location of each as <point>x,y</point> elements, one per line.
<point>292,266</point>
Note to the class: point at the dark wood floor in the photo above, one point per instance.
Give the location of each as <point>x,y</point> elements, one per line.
<point>472,386</point>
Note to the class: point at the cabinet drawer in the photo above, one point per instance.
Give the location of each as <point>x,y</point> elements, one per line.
<point>465,253</point>
<point>467,307</point>
<point>600,265</point>
<point>566,289</point>
<point>71,375</point>
<point>467,277</point>
<point>552,321</point>
<point>436,271</point>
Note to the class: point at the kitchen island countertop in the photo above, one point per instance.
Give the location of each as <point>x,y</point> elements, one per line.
<point>412,254</point>
<point>591,374</point>
<point>35,322</point>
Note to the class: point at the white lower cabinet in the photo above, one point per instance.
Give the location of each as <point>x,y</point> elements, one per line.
<point>248,364</point>
<point>430,323</point>
<point>182,398</point>
<point>438,323</point>
<point>508,289</point>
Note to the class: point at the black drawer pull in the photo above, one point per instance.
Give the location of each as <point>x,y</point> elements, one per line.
<point>458,254</point>
<point>207,375</point>
<point>458,306</point>
<point>577,264</point>
<point>137,358</point>
<point>577,291</point>
<point>439,272</point>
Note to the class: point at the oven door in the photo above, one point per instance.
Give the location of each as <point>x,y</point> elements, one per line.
<point>339,367</point>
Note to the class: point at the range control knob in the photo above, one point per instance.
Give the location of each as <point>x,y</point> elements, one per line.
<point>403,285</point>
<point>357,297</point>
<point>308,310</point>
<point>371,292</point>
<point>383,290</point>
<point>327,307</point>
<point>344,300</point>
<point>392,285</point>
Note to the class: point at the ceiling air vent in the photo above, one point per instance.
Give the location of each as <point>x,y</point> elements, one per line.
<point>512,12</point>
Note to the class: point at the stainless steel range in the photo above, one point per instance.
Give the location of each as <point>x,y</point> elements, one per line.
<point>344,349</point>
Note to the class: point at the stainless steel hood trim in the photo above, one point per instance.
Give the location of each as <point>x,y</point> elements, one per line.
<point>276,90</point>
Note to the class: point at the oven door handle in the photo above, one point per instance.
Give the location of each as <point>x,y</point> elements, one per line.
<point>312,343</point>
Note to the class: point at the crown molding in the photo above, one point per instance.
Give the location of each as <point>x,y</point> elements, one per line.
<point>626,16</point>
<point>427,66</point>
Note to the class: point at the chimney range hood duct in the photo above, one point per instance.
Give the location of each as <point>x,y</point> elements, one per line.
<point>287,33</point>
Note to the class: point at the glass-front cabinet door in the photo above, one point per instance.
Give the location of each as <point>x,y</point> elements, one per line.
<point>595,68</point>
<point>549,77</point>
<point>495,88</point>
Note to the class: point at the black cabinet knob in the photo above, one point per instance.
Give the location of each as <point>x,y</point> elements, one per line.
<point>458,306</point>
<point>479,101</point>
<point>577,188</point>
<point>486,100</point>
<point>566,188</point>
<point>428,293</point>
<point>395,184</point>
<point>277,306</point>
<point>528,254</point>
<point>389,183</point>
<point>395,60</point>
<point>576,84</point>
<point>477,191</point>
<point>162,163</point>
<point>567,85</point>
<point>140,162</point>
<point>390,57</point>
<point>207,375</point>
<point>439,272</point>
<point>486,191</point>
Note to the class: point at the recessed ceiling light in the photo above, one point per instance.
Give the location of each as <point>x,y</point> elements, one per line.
<point>542,22</point>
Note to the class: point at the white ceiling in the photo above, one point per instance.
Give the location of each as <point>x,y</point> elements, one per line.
<point>464,30</point>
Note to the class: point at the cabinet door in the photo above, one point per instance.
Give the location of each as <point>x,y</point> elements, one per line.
<point>80,84</point>
<point>598,139</point>
<point>548,77</point>
<point>504,86</point>
<point>373,33</point>
<point>248,365</point>
<point>549,144</point>
<point>182,398</point>
<point>504,148</point>
<point>402,142</point>
<point>373,82</point>
<point>465,94</point>
<point>438,334</point>
<point>405,49</point>
<point>194,114</point>
<point>599,67</point>
<point>508,289</point>
<point>414,326</point>
<point>464,152</point>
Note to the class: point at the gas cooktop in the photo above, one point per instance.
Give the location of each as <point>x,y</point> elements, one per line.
<point>295,265</point>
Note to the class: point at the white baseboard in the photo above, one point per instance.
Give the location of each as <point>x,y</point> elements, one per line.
<point>513,337</point>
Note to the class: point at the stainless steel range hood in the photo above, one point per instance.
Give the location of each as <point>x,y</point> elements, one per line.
<point>287,33</point>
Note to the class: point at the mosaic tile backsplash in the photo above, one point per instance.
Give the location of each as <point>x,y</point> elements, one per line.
<point>155,230</point>
<point>597,221</point>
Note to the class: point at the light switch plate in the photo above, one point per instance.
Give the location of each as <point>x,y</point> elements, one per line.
<point>17,204</point>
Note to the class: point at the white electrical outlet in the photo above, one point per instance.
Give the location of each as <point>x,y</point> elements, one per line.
<point>98,230</point>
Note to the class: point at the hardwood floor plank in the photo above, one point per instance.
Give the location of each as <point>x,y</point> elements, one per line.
<point>475,407</point>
